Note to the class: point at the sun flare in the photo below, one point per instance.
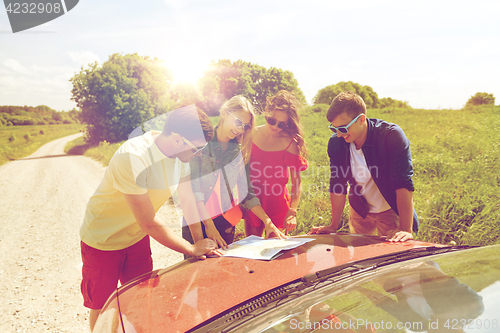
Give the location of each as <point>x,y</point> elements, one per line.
<point>187,70</point>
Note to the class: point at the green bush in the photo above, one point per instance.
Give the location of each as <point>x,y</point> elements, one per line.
<point>12,137</point>
<point>27,137</point>
<point>481,98</point>
<point>103,152</point>
<point>319,108</point>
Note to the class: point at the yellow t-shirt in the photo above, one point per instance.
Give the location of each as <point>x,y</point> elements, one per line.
<point>138,167</point>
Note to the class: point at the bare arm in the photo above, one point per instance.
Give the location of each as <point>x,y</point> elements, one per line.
<point>338,202</point>
<point>404,199</point>
<point>189,208</point>
<point>290,222</point>
<point>210,228</point>
<point>268,224</point>
<point>144,212</point>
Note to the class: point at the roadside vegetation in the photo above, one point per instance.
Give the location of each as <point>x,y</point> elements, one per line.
<point>456,154</point>
<point>24,129</point>
<point>101,152</point>
<point>11,115</point>
<point>21,141</point>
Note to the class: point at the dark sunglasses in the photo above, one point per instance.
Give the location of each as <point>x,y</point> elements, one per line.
<point>343,129</point>
<point>272,121</point>
<point>239,123</point>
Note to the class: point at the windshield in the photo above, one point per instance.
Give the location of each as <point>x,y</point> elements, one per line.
<point>455,292</point>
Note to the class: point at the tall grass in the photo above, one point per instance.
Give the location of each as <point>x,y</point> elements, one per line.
<point>101,153</point>
<point>456,154</point>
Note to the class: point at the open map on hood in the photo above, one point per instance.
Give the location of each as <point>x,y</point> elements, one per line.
<point>254,247</point>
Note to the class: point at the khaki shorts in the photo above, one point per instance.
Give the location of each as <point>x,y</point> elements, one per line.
<point>374,223</point>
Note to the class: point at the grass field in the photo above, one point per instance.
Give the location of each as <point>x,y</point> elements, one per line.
<point>456,154</point>
<point>21,141</point>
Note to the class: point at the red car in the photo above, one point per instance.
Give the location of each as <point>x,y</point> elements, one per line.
<point>345,283</point>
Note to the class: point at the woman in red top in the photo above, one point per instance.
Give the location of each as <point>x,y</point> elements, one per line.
<point>278,153</point>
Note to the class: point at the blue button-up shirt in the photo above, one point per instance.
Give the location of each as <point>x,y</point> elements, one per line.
<point>388,157</point>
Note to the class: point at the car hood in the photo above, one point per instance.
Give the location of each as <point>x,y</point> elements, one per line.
<point>178,298</point>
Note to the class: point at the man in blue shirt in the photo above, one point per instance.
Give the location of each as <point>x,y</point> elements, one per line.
<point>370,160</point>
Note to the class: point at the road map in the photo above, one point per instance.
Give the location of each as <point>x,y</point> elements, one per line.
<point>254,247</point>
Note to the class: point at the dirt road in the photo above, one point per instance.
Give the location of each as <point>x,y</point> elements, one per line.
<point>42,203</point>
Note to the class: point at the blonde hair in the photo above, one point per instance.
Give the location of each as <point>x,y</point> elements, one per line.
<point>240,103</point>
<point>287,102</point>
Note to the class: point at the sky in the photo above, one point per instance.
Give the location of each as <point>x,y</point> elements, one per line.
<point>433,54</point>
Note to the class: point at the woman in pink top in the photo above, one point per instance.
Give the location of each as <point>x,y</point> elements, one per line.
<point>278,153</point>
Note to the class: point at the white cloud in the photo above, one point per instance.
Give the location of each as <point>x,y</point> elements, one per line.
<point>15,90</point>
<point>15,66</point>
<point>84,57</point>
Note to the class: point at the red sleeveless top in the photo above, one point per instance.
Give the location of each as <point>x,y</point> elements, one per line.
<point>269,174</point>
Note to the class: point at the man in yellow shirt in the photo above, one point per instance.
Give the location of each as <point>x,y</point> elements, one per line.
<point>121,215</point>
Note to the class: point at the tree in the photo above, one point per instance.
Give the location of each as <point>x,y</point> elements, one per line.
<point>57,116</point>
<point>74,114</point>
<point>389,102</point>
<point>272,81</point>
<point>225,79</point>
<point>480,99</point>
<point>327,94</point>
<point>186,94</point>
<point>123,93</point>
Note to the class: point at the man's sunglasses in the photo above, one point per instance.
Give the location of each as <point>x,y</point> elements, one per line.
<point>343,129</point>
<point>190,144</point>
<point>272,121</point>
<point>239,123</point>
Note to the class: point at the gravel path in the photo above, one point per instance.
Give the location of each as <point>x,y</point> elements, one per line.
<point>42,203</point>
